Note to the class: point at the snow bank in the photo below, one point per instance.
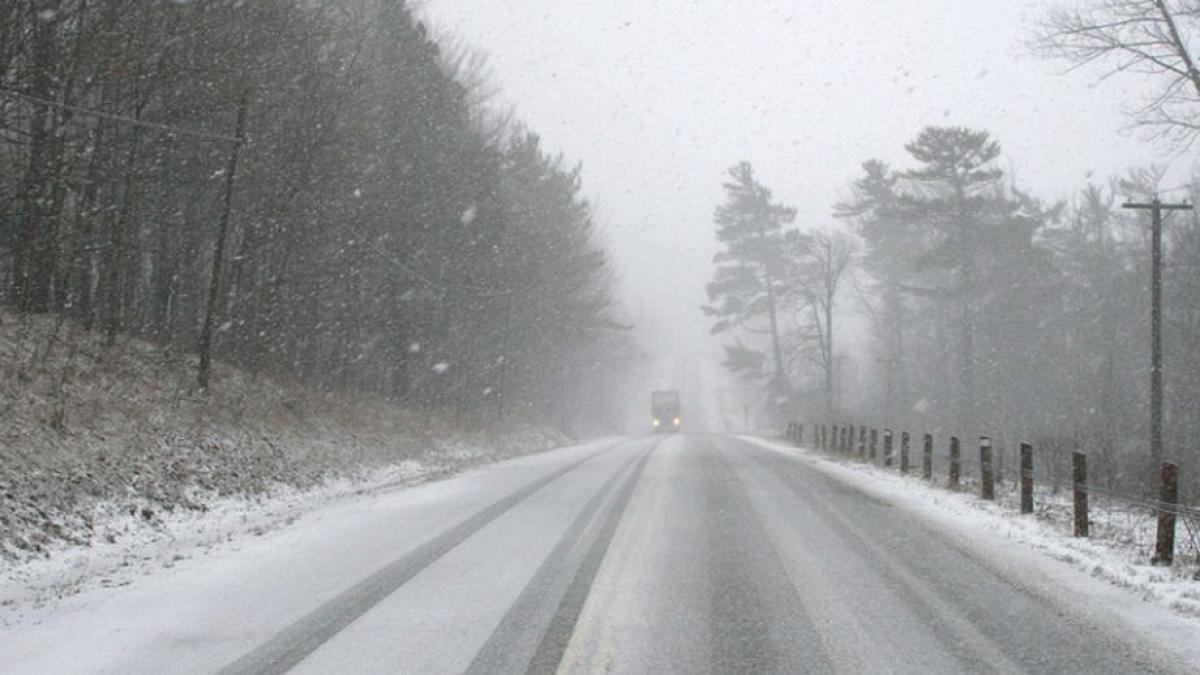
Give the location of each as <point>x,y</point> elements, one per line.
<point>1163,602</point>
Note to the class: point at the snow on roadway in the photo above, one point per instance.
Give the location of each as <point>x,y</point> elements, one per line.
<point>115,546</point>
<point>127,546</point>
<point>205,611</point>
<point>208,610</point>
<point>1095,580</point>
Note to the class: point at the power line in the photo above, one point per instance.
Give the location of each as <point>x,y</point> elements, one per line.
<point>118,118</point>
<point>1184,186</point>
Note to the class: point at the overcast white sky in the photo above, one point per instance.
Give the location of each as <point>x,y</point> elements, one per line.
<point>658,97</point>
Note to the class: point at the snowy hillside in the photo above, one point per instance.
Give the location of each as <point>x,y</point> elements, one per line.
<point>103,444</point>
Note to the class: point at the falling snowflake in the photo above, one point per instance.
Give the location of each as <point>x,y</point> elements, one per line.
<point>414,348</point>
<point>441,367</point>
<point>468,216</point>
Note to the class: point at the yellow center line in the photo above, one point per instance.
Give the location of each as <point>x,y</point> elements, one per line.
<point>604,610</point>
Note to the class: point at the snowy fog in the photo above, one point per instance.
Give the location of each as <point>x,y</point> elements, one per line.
<point>659,100</point>
<point>543,336</point>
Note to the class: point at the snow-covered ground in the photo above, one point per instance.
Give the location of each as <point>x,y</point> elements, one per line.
<point>112,464</point>
<point>238,593</point>
<point>1111,570</point>
<point>124,546</point>
<point>226,599</point>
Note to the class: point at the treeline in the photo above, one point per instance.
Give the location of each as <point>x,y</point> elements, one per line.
<point>992,312</point>
<point>312,189</point>
<point>987,311</point>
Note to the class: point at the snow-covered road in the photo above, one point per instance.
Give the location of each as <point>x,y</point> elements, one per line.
<point>690,553</point>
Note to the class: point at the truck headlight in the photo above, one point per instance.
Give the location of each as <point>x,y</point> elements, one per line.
<point>678,421</point>
<point>656,422</point>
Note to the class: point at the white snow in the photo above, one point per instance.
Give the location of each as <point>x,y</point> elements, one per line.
<point>1101,579</point>
<point>128,546</point>
<point>214,603</point>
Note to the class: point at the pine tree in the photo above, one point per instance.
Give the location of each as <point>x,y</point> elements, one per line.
<point>750,271</point>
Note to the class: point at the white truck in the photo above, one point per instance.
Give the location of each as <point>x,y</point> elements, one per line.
<point>665,413</point>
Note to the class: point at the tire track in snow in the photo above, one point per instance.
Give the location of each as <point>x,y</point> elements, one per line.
<point>291,645</point>
<point>558,635</point>
<point>544,607</point>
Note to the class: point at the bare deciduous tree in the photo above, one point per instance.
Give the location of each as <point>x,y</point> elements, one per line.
<point>829,256</point>
<point>1143,37</point>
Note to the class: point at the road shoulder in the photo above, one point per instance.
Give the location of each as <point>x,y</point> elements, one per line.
<point>1007,545</point>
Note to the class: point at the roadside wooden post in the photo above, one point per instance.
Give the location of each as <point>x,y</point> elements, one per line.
<point>987,488</point>
<point>1026,478</point>
<point>1079,479</point>
<point>927,458</point>
<point>903,453</point>
<point>799,434</point>
<point>998,462</point>
<point>887,447</point>
<point>1164,547</point>
<point>955,462</point>
<point>842,445</point>
<point>862,441</point>
<point>874,444</point>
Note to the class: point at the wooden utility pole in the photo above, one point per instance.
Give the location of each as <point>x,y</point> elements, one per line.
<point>1156,208</point>
<point>837,381</point>
<point>887,393</point>
<point>214,283</point>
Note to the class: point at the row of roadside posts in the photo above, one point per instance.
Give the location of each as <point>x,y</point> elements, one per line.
<point>842,439</point>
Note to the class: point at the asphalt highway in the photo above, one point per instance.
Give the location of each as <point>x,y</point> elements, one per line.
<point>695,554</point>
<point>687,553</point>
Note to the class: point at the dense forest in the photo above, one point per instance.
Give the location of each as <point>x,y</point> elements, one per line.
<point>985,309</point>
<point>968,306</point>
<point>992,312</point>
<point>315,190</point>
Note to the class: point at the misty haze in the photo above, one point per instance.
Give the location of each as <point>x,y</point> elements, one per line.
<point>536,336</point>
